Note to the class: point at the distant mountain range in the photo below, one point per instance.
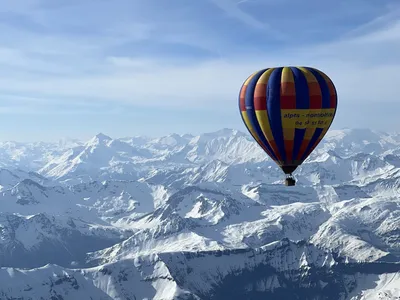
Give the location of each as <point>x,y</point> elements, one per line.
<point>199,217</point>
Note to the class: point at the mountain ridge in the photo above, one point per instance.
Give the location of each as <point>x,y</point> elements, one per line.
<point>151,212</point>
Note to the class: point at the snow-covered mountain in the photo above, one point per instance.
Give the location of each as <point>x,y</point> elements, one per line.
<point>199,217</point>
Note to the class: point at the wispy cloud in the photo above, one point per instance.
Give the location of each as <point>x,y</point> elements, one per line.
<point>378,22</point>
<point>191,55</point>
<point>232,9</point>
<point>352,62</point>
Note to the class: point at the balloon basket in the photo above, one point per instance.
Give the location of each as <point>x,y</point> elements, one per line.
<point>289,181</point>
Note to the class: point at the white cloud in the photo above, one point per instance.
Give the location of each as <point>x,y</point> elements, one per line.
<point>379,22</point>
<point>57,66</point>
<point>232,9</point>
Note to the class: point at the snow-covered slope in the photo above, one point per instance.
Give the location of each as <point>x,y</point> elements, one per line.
<point>100,157</point>
<point>280,270</point>
<point>199,217</point>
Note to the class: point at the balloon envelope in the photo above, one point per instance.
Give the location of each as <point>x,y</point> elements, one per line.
<point>288,111</point>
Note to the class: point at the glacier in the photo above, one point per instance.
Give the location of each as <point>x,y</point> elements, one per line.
<point>199,217</point>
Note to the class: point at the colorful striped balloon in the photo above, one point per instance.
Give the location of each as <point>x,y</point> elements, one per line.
<point>288,110</point>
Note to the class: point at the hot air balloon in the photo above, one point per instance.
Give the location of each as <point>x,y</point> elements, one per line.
<point>288,111</point>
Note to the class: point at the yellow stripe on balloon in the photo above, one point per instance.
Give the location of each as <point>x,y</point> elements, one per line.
<point>250,78</point>
<point>262,115</point>
<point>265,76</point>
<point>262,118</point>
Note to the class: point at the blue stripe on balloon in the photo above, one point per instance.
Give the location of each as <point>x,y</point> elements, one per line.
<point>251,113</point>
<point>274,109</point>
<point>302,91</point>
<point>302,102</point>
<point>314,138</point>
<point>298,139</point>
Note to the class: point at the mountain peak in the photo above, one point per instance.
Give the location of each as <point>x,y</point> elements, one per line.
<point>225,132</point>
<point>102,136</point>
<point>99,138</point>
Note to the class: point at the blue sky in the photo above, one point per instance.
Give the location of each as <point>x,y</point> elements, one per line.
<point>126,67</point>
